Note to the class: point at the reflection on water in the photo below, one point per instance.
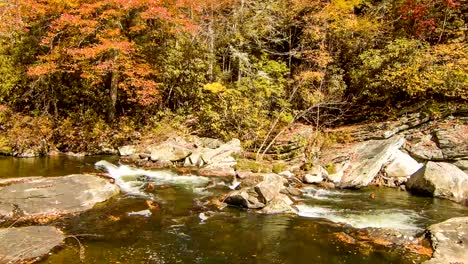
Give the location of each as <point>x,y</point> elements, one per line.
<point>48,166</point>
<point>126,230</point>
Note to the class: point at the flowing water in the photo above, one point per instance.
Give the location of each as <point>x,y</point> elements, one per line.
<point>181,230</point>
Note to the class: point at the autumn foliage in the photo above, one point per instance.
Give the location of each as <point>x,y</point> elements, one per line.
<point>271,62</point>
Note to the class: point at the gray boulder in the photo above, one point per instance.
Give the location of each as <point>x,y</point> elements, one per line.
<point>127,150</point>
<point>400,168</point>
<point>270,187</point>
<point>246,198</point>
<point>366,161</point>
<point>169,151</point>
<point>450,241</point>
<point>54,196</point>
<point>28,244</point>
<point>280,204</point>
<point>315,175</point>
<point>439,179</point>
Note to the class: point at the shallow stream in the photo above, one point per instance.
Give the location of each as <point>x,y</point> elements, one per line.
<point>178,229</point>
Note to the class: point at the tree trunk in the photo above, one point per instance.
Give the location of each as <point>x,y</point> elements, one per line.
<point>113,95</point>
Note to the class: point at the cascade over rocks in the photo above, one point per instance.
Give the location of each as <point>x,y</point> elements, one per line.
<point>440,179</point>
<point>450,241</point>
<point>28,244</point>
<point>54,196</point>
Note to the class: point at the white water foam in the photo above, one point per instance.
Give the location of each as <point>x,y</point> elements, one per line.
<point>127,177</point>
<point>387,218</point>
<point>324,194</point>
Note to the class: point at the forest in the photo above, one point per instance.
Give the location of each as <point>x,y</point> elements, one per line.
<point>77,74</point>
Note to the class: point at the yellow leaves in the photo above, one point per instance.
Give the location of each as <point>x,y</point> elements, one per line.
<point>309,77</point>
<point>346,5</point>
<point>214,87</point>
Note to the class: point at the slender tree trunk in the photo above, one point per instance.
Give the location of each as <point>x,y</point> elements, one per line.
<point>113,95</point>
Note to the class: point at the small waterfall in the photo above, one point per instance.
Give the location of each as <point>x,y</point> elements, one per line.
<point>131,179</point>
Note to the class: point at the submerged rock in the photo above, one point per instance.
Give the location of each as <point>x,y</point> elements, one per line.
<point>54,196</point>
<point>441,180</point>
<point>450,241</point>
<point>28,244</point>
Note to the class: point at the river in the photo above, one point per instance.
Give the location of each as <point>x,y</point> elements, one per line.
<point>181,231</point>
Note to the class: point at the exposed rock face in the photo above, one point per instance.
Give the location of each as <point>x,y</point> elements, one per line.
<point>54,196</point>
<point>24,244</point>
<point>281,204</point>
<point>367,159</point>
<point>315,175</point>
<point>441,180</point>
<point>450,241</point>
<point>423,147</point>
<point>214,157</point>
<point>269,194</point>
<point>169,151</point>
<point>453,141</point>
<point>246,198</point>
<point>270,187</point>
<point>127,150</point>
<point>462,164</point>
<point>400,168</point>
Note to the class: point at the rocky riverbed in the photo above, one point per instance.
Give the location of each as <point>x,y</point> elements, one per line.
<point>415,155</point>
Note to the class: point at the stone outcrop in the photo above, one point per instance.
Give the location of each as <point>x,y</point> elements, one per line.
<point>450,241</point>
<point>440,179</point>
<point>399,169</point>
<point>54,196</point>
<point>28,244</point>
<point>269,195</point>
<point>210,156</point>
<point>366,160</point>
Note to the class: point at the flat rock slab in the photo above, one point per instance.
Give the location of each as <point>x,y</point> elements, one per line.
<point>367,160</point>
<point>54,196</point>
<point>18,245</point>
<point>450,241</point>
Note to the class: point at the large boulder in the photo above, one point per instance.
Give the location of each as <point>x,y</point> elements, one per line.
<point>270,187</point>
<point>280,204</point>
<point>28,244</point>
<point>439,179</point>
<point>315,175</point>
<point>127,150</point>
<point>366,161</point>
<point>246,198</point>
<point>400,168</point>
<point>169,151</point>
<point>54,196</point>
<point>450,241</point>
